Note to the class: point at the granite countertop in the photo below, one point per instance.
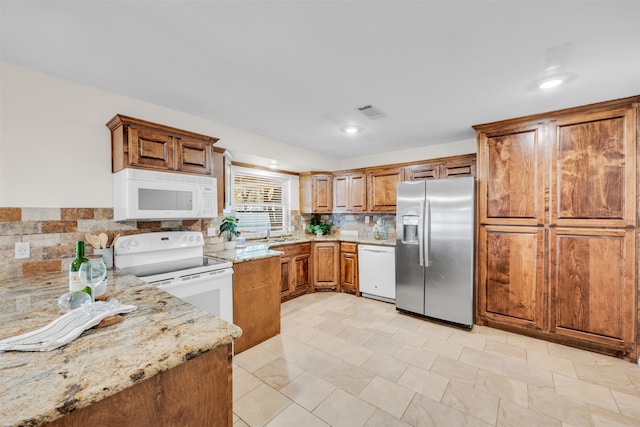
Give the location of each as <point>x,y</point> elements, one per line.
<point>161,333</point>
<point>257,249</point>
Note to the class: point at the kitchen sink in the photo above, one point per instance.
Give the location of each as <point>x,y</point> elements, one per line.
<point>273,241</point>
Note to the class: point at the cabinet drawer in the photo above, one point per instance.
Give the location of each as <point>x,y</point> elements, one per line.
<point>348,247</point>
<point>293,249</point>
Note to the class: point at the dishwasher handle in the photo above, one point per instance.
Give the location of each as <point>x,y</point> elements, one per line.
<point>376,251</point>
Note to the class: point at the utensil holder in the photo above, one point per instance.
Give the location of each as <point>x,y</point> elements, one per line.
<point>107,254</point>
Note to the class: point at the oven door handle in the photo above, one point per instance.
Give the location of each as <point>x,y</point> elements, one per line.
<point>215,274</point>
<point>178,282</point>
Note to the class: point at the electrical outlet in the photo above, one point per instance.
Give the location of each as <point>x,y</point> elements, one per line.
<point>212,231</point>
<point>23,250</point>
<point>366,219</point>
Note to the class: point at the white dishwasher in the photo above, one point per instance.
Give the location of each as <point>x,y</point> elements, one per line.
<point>377,266</point>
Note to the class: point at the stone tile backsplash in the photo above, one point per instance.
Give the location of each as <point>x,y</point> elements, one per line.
<point>53,232</point>
<point>362,223</point>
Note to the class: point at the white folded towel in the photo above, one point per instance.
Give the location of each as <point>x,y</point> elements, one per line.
<point>65,328</point>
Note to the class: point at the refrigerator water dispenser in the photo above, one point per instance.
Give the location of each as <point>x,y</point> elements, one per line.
<point>410,229</point>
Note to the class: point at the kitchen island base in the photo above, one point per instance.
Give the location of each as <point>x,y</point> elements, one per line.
<point>195,393</point>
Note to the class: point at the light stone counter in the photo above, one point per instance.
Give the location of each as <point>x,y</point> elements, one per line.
<point>247,253</point>
<point>241,254</point>
<point>163,332</point>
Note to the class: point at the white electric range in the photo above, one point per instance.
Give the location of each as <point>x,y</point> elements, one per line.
<point>174,261</point>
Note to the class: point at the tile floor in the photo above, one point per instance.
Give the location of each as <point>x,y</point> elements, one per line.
<point>347,361</point>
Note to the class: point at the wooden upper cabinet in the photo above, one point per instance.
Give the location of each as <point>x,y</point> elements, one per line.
<point>448,167</point>
<point>422,172</point>
<point>194,156</point>
<point>458,167</point>
<point>511,177</point>
<point>341,192</point>
<point>150,149</point>
<point>349,192</point>
<point>141,144</point>
<point>358,192</point>
<point>316,193</point>
<point>222,173</point>
<point>382,185</point>
<point>322,186</point>
<point>593,169</point>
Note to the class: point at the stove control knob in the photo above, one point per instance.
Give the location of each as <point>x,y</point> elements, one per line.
<point>191,238</point>
<point>198,238</point>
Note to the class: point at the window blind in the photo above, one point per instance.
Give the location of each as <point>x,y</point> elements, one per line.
<point>261,202</point>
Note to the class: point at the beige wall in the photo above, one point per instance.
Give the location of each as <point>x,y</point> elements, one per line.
<point>55,147</point>
<point>411,155</point>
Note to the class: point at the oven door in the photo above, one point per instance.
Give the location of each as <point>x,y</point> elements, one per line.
<point>211,291</point>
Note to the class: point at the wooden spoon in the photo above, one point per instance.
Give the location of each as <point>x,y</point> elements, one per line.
<point>113,243</point>
<point>93,240</point>
<point>103,240</point>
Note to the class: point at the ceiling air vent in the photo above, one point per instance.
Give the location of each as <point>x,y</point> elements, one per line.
<point>371,112</point>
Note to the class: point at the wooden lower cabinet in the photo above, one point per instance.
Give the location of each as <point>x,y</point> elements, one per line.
<point>295,270</point>
<point>349,268</point>
<point>196,393</point>
<point>511,275</point>
<point>326,262</point>
<point>585,298</point>
<point>592,283</point>
<point>256,301</point>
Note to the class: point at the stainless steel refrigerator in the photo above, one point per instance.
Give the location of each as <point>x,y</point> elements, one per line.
<point>435,249</point>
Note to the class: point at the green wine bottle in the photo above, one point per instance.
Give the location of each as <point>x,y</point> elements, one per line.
<point>75,284</point>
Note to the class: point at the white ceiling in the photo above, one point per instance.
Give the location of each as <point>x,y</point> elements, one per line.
<point>296,71</point>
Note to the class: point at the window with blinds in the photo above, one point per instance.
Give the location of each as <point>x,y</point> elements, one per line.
<point>261,202</point>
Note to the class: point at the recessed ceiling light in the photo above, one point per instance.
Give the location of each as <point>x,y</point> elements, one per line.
<point>274,165</point>
<point>351,129</point>
<point>548,84</point>
<point>551,81</point>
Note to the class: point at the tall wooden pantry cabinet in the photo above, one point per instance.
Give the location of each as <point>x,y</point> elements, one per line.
<point>558,226</point>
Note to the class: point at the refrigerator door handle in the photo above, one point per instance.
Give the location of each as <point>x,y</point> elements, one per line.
<point>421,234</point>
<point>426,228</point>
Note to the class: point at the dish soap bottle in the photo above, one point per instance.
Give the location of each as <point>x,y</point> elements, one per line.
<point>376,229</point>
<point>74,279</point>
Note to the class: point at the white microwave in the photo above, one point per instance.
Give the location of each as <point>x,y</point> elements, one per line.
<point>148,195</point>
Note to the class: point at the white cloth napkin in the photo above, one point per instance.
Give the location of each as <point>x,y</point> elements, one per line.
<point>65,328</point>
